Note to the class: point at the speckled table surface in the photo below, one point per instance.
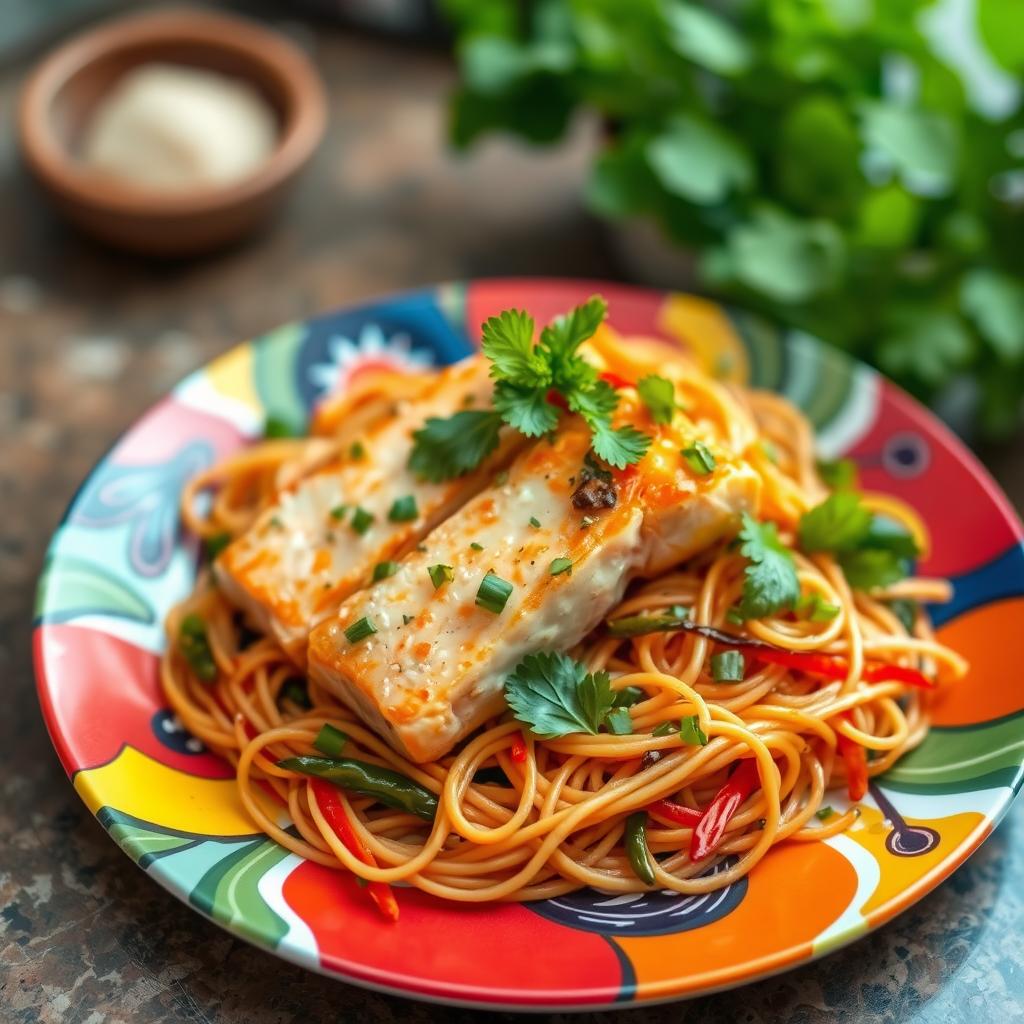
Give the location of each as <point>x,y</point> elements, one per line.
<point>88,339</point>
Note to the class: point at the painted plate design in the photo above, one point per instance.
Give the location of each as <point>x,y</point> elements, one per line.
<point>119,560</point>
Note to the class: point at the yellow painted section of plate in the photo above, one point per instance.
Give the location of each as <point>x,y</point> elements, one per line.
<point>704,328</point>
<point>232,375</point>
<point>146,789</point>
<point>898,874</point>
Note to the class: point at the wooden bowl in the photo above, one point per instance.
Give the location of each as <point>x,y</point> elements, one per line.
<point>62,93</point>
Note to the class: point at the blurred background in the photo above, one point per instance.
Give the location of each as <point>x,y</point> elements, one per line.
<point>849,168</point>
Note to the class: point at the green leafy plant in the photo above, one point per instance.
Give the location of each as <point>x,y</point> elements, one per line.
<point>833,163</point>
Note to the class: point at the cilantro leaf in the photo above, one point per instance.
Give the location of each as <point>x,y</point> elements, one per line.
<point>872,567</point>
<point>526,409</point>
<point>555,695</point>
<point>507,340</point>
<point>659,396</point>
<point>446,448</point>
<point>770,583</point>
<point>839,523</point>
<point>566,333</point>
<point>839,474</point>
<point>871,551</point>
<point>594,403</point>
<point>620,447</point>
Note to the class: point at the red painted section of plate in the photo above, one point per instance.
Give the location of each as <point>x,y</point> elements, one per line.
<point>977,523</point>
<point>518,957</point>
<point>630,310</point>
<point>99,693</point>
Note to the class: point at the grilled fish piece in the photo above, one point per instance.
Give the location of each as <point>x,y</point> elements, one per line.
<point>322,537</point>
<point>434,669</point>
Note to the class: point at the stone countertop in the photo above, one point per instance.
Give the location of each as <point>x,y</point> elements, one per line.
<point>89,339</point>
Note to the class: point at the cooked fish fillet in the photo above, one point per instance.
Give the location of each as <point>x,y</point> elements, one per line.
<point>434,669</point>
<point>308,551</point>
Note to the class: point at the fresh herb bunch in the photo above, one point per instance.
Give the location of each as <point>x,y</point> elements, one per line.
<point>826,159</point>
<point>528,373</point>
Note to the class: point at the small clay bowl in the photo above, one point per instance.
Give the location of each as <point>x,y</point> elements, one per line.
<point>62,93</point>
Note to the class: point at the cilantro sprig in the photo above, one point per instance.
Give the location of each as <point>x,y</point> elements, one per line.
<point>526,373</point>
<point>554,695</point>
<point>770,582</point>
<point>871,551</point>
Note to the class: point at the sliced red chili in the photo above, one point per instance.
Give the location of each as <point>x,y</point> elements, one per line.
<point>674,814</point>
<point>856,761</point>
<point>333,810</point>
<point>616,380</point>
<point>518,751</point>
<point>717,815</point>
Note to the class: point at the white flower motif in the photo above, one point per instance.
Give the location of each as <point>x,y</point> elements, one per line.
<point>372,348</point>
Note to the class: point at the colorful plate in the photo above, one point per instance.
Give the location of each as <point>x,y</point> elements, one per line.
<point>118,561</point>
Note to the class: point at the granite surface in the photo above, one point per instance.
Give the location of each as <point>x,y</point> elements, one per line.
<point>89,338</point>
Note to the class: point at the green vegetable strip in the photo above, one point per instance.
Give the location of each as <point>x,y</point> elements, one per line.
<point>636,847</point>
<point>382,784</point>
<point>194,645</point>
<point>727,667</point>
<point>330,741</point>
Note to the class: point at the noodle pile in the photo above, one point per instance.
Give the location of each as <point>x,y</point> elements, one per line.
<point>559,825</point>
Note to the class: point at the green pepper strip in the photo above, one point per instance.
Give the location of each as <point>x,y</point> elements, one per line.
<point>636,847</point>
<point>383,784</point>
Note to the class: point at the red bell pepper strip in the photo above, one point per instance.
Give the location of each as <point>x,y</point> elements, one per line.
<point>616,380</point>
<point>519,751</point>
<point>673,813</point>
<point>717,815</point>
<point>333,810</point>
<point>829,665</point>
<point>856,761</point>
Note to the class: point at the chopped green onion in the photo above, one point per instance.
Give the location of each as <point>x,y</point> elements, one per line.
<point>727,667</point>
<point>296,691</point>
<point>404,510</point>
<point>640,625</point>
<point>361,521</point>
<point>406,619</point>
<point>359,630</point>
<point>216,544</point>
<point>699,458</point>
<point>690,732</point>
<point>560,565</point>
<point>277,427</point>
<point>824,812</point>
<point>338,512</point>
<point>619,721</point>
<point>664,729</point>
<point>493,594</point>
<point>440,574</point>
<point>275,522</point>
<point>476,547</point>
<point>815,608</point>
<point>356,450</point>
<point>535,522</point>
<point>330,741</point>
<point>382,570</point>
<point>194,645</point>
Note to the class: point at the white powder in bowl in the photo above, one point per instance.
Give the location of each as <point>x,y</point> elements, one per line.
<point>172,128</point>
